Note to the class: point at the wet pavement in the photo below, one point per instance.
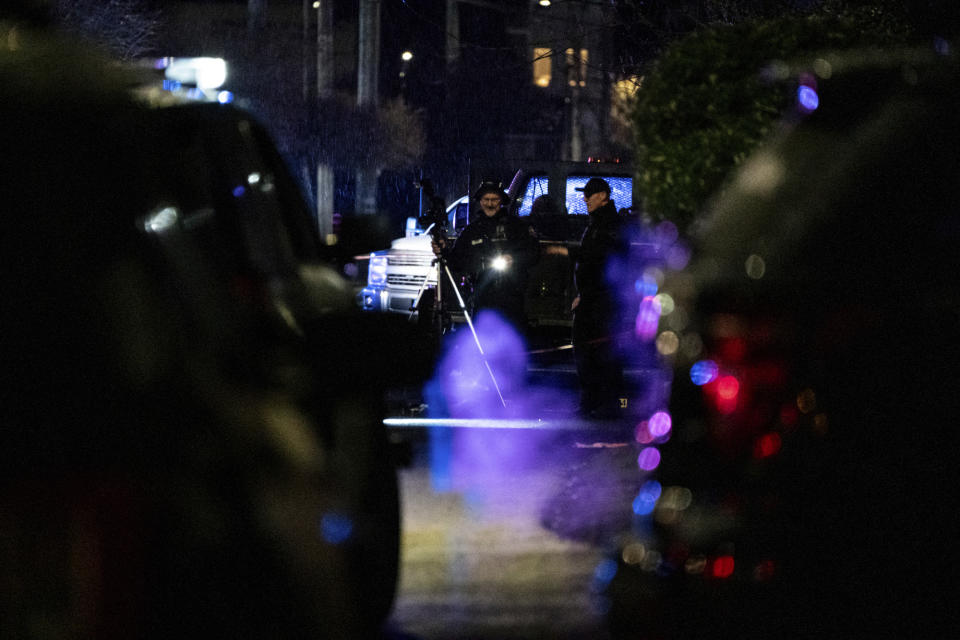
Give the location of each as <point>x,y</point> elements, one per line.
<point>508,520</point>
<point>509,550</point>
<point>479,564</point>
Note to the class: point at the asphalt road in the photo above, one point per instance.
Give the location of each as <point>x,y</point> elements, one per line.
<point>503,540</point>
<point>506,528</point>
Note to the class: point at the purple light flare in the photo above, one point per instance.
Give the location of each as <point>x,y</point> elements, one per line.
<point>648,318</point>
<point>660,424</point>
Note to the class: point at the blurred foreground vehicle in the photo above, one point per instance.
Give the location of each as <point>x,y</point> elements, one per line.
<point>186,445</point>
<point>805,491</point>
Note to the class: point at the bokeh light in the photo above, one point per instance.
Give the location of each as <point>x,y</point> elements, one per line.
<point>704,372</point>
<point>654,274</point>
<point>651,561</point>
<point>604,573</point>
<point>691,345</point>
<point>648,318</point>
<point>767,445</point>
<point>806,401</point>
<point>678,498</point>
<point>660,424</point>
<point>646,285</point>
<point>649,459</point>
<point>823,68</point>
<point>642,433</point>
<point>756,267</point>
<point>646,500</point>
<point>727,387</point>
<point>335,528</point>
<point>722,567</point>
<point>634,553</point>
<point>667,343</point>
<point>695,565</point>
<point>678,256</point>
<point>807,98</point>
<point>162,219</point>
<point>665,300</point>
<point>678,320</point>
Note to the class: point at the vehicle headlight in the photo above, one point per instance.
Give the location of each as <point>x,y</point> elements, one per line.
<point>499,263</point>
<point>377,273</point>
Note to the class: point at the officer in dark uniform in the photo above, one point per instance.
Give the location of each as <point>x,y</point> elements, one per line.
<point>598,317</point>
<point>495,251</point>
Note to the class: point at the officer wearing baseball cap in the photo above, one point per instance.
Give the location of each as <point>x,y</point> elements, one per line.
<point>597,317</point>
<point>495,251</point>
<point>594,185</point>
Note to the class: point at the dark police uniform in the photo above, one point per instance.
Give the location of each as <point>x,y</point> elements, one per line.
<point>484,239</point>
<point>599,318</point>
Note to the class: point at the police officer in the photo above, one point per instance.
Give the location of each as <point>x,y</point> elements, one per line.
<point>495,251</point>
<point>598,317</point>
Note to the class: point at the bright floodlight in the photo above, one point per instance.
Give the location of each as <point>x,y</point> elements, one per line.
<point>161,220</point>
<point>203,73</point>
<point>406,56</point>
<point>499,263</point>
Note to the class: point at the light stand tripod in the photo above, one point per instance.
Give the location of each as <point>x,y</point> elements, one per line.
<point>437,320</point>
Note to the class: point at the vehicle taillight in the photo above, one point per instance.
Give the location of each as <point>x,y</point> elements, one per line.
<point>744,383</point>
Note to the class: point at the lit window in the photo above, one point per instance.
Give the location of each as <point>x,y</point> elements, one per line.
<point>621,192</point>
<point>541,66</point>
<point>535,188</point>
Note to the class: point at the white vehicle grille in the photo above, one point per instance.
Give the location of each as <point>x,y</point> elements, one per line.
<point>409,259</point>
<point>408,280</point>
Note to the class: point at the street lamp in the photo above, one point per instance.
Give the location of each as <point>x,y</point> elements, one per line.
<point>406,57</point>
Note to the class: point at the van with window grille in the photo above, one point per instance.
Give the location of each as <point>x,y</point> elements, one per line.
<point>396,276</point>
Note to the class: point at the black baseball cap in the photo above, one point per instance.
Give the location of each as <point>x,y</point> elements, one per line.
<point>594,185</point>
<point>489,186</point>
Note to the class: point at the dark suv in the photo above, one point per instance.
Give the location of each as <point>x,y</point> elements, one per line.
<point>187,447</point>
<point>805,490</point>
<point>550,288</point>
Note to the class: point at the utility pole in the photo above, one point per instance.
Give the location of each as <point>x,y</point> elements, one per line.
<point>317,86</point>
<point>325,182</point>
<point>573,143</point>
<point>368,60</point>
<point>256,15</point>
<point>453,33</point>
<point>305,51</point>
<point>576,77</point>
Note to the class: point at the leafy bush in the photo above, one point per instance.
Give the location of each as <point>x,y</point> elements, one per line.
<point>715,94</point>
